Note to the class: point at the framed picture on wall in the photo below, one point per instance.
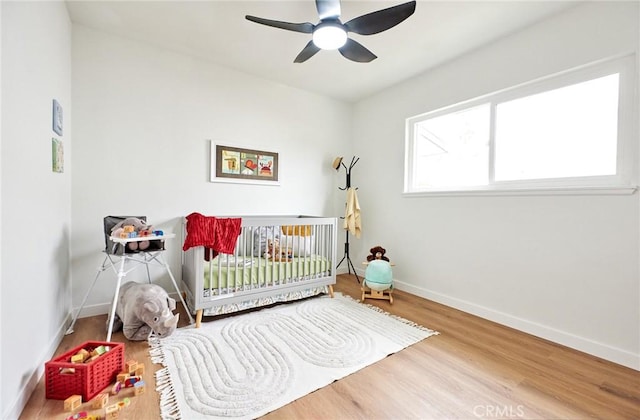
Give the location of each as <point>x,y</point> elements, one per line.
<point>243,165</point>
<point>57,117</point>
<point>57,155</point>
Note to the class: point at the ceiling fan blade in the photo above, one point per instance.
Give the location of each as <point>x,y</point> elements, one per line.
<point>306,27</point>
<point>354,51</point>
<point>375,22</point>
<point>307,52</point>
<point>328,9</point>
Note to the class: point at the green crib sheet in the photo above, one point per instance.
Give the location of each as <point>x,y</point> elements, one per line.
<point>247,273</point>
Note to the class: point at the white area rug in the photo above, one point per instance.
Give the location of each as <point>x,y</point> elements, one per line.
<point>250,364</point>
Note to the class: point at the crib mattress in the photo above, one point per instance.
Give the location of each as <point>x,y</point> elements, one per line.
<point>244,273</point>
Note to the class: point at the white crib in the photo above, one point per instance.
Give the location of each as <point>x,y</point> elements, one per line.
<point>253,277</point>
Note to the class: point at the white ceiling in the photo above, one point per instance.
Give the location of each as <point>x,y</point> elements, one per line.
<point>217,31</point>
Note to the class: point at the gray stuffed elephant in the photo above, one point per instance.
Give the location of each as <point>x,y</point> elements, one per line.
<point>143,308</point>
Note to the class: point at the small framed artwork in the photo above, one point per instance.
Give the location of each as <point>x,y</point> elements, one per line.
<point>57,117</point>
<point>57,156</point>
<point>242,165</point>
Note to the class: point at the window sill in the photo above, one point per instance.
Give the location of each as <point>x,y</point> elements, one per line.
<point>628,190</point>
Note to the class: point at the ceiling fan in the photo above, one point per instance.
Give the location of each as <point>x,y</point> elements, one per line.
<point>330,33</point>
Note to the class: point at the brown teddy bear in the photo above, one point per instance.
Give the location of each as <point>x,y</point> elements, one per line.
<point>277,253</point>
<point>377,253</point>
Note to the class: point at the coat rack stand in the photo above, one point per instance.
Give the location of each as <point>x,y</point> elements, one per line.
<point>346,257</point>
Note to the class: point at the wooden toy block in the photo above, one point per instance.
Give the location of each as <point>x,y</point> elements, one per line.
<point>92,358</point>
<point>131,366</point>
<point>100,401</point>
<point>116,388</point>
<point>77,358</point>
<point>78,416</point>
<point>84,353</point>
<point>122,376</point>
<point>131,381</point>
<point>99,351</point>
<point>72,402</point>
<point>138,388</point>
<point>140,369</point>
<point>112,411</point>
<point>124,403</point>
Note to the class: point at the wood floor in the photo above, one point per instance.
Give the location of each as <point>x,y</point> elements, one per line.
<point>473,369</point>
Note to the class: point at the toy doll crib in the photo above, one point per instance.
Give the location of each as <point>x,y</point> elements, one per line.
<point>251,274</point>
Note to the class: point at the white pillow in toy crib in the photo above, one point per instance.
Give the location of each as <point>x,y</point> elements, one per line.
<point>301,246</point>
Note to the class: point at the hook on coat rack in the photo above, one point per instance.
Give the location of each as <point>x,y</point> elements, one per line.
<point>354,160</point>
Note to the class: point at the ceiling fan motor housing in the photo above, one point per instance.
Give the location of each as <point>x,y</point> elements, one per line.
<point>329,34</point>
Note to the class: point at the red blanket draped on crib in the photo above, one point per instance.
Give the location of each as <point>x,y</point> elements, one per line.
<point>219,235</point>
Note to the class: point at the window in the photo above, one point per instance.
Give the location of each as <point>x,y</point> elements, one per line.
<point>452,150</point>
<point>567,131</point>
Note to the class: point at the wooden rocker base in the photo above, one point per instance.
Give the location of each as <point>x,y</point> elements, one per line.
<point>386,294</point>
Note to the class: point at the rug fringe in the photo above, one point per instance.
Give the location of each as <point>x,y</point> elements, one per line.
<point>155,351</point>
<point>396,317</point>
<point>169,409</point>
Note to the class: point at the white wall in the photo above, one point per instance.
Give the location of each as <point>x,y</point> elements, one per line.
<point>1,405</point>
<point>562,267</point>
<point>143,116</point>
<point>36,202</point>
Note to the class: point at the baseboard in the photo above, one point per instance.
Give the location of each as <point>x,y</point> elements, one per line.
<point>105,308</point>
<point>93,310</point>
<point>603,351</point>
<point>16,408</point>
<point>347,270</point>
<point>343,270</point>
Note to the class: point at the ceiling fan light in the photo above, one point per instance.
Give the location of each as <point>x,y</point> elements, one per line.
<point>329,37</point>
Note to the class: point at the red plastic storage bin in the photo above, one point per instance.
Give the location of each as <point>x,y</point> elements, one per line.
<point>64,379</point>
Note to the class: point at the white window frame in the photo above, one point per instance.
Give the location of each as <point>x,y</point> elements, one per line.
<point>623,182</point>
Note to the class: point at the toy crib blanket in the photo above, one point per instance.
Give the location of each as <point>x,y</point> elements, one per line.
<point>219,235</point>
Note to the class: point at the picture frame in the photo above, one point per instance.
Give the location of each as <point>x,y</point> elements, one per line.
<point>244,165</point>
<point>57,155</point>
<point>57,118</point>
